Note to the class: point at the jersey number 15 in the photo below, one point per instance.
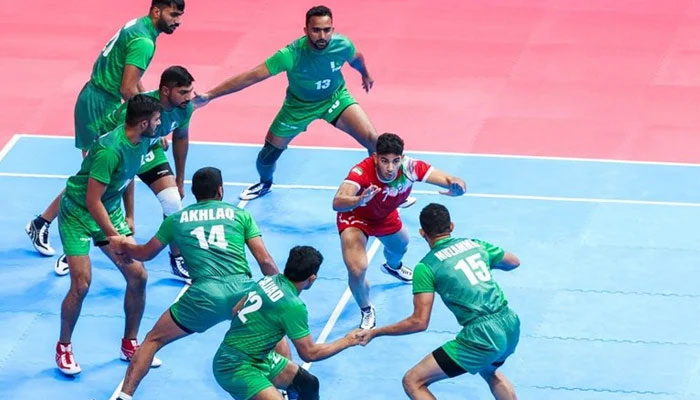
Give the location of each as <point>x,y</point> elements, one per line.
<point>474,269</point>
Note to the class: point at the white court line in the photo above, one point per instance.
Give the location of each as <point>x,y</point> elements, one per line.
<point>410,151</point>
<point>118,390</point>
<point>9,145</point>
<point>431,192</point>
<point>341,304</point>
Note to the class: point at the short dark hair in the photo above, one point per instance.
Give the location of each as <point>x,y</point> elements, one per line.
<point>206,183</point>
<point>139,108</point>
<point>175,76</point>
<point>435,220</point>
<point>318,11</point>
<point>389,143</point>
<point>179,4</point>
<point>303,262</point>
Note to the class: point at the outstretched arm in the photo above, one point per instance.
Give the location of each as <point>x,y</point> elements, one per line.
<point>454,185</point>
<point>310,351</point>
<point>358,63</point>
<point>264,259</point>
<point>142,252</point>
<point>234,84</point>
<point>347,198</point>
<point>509,262</point>
<point>417,322</point>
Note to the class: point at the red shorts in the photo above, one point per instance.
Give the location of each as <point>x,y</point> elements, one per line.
<point>387,226</point>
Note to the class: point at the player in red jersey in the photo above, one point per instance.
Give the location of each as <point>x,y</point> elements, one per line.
<point>367,203</point>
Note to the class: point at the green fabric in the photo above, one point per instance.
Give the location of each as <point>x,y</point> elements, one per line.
<point>459,271</point>
<point>133,44</point>
<point>272,310</point>
<point>209,301</point>
<point>154,157</point>
<point>112,160</point>
<point>93,103</point>
<point>243,377</point>
<point>211,236</point>
<point>76,227</point>
<point>313,74</point>
<point>295,115</point>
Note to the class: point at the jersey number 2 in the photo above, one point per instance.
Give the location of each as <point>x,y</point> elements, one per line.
<point>474,269</point>
<point>216,237</point>
<point>254,302</point>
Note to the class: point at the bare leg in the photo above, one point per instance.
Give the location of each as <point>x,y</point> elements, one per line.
<point>282,348</point>
<point>164,332</point>
<point>52,210</point>
<point>353,242</point>
<point>135,296</point>
<point>417,379</point>
<point>355,122</point>
<point>500,386</point>
<point>80,277</point>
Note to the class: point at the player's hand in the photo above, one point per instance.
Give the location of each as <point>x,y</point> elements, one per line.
<point>180,182</point>
<point>130,223</point>
<point>365,336</point>
<point>239,305</point>
<point>456,187</point>
<point>165,143</point>
<point>367,82</point>
<point>116,245</point>
<point>200,100</point>
<point>368,194</point>
<point>353,336</point>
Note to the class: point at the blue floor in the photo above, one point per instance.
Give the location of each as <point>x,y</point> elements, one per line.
<point>607,292</point>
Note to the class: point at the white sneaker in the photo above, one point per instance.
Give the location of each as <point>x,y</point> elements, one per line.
<point>39,235</point>
<point>60,267</point>
<point>401,273</point>
<point>254,191</point>
<point>368,320</point>
<point>129,347</point>
<point>410,200</point>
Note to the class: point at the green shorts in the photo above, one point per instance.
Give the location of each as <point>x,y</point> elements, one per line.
<point>297,114</point>
<point>486,341</point>
<point>154,157</point>
<point>76,227</point>
<point>209,301</point>
<point>242,376</point>
<point>92,105</point>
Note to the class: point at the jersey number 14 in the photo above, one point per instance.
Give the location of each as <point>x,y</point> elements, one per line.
<point>474,269</point>
<point>217,237</point>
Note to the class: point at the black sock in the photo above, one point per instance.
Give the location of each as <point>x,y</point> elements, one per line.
<point>366,309</point>
<point>39,221</point>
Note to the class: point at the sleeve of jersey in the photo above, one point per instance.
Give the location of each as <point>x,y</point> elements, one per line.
<point>282,60</point>
<point>165,232</point>
<point>104,164</point>
<point>186,122</point>
<point>251,228</point>
<point>357,176</point>
<point>419,170</point>
<point>423,279</point>
<point>495,253</point>
<point>140,52</point>
<point>296,322</point>
<point>351,48</point>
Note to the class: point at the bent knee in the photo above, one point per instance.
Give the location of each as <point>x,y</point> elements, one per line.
<point>410,382</point>
<point>80,287</point>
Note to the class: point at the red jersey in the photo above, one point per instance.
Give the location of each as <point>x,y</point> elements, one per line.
<point>392,193</point>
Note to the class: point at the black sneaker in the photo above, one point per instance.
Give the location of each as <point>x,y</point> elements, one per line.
<point>401,273</point>
<point>254,191</point>
<point>60,267</point>
<point>179,268</point>
<point>38,233</point>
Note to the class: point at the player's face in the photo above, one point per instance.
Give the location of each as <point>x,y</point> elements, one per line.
<point>319,31</point>
<point>388,166</point>
<point>168,19</point>
<point>180,96</point>
<point>153,123</point>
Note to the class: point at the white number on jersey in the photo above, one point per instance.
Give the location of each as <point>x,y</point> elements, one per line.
<point>323,84</point>
<point>113,39</point>
<point>254,302</point>
<point>216,237</point>
<point>474,269</point>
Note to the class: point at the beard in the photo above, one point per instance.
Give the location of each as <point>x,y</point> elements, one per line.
<point>163,26</point>
<point>320,44</point>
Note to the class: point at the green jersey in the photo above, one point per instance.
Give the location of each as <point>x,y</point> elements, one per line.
<point>273,309</point>
<point>211,235</point>
<point>112,160</point>
<point>170,120</point>
<point>313,74</point>
<point>459,270</point>
<point>133,44</point>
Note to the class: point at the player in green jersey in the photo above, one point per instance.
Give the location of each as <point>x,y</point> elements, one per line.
<point>246,365</point>
<point>174,94</point>
<point>459,270</point>
<point>212,236</point>
<point>316,91</point>
<point>90,209</point>
<point>116,75</point>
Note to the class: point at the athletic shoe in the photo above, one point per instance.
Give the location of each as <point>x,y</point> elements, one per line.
<point>129,347</point>
<point>368,320</point>
<point>410,200</point>
<point>39,235</point>
<point>254,191</point>
<point>65,361</point>
<point>179,268</point>
<point>60,267</point>
<point>401,273</point>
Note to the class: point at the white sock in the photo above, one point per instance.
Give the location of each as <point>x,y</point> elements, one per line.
<point>124,396</point>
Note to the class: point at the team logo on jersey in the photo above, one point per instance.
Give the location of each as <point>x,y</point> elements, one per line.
<point>357,170</point>
<point>335,68</point>
<point>173,126</point>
